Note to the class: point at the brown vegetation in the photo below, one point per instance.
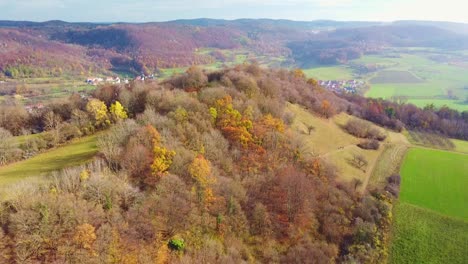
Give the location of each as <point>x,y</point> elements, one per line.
<point>209,175</point>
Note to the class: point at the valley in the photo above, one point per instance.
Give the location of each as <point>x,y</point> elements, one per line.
<point>233,141</point>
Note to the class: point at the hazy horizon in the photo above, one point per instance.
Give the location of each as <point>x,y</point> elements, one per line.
<point>107,11</point>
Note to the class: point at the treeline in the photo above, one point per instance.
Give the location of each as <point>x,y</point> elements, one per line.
<point>327,51</point>
<point>444,120</point>
<point>205,170</point>
<point>54,125</point>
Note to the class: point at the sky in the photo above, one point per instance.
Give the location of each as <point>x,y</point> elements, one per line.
<point>164,10</point>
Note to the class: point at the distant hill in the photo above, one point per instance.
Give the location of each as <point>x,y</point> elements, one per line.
<point>460,28</point>
<point>145,47</point>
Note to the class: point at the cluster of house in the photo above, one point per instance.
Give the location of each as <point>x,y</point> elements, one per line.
<point>112,80</point>
<point>143,77</point>
<point>117,80</point>
<point>349,86</point>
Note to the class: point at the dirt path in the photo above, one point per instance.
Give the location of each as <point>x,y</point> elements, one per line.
<point>395,158</point>
<point>336,151</point>
<point>369,172</point>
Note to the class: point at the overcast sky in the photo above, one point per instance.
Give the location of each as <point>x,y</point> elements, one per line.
<point>163,10</point>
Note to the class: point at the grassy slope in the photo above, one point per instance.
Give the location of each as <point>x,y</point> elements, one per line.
<point>388,163</point>
<point>436,180</point>
<point>423,236</point>
<point>324,129</point>
<point>73,154</point>
<point>460,145</point>
<point>328,138</point>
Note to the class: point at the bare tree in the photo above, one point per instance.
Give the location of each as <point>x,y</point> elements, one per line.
<point>358,161</point>
<point>310,128</point>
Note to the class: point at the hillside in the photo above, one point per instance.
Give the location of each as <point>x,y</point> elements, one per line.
<point>136,48</point>
<point>185,168</point>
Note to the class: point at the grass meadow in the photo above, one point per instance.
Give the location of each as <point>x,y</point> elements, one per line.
<point>75,153</point>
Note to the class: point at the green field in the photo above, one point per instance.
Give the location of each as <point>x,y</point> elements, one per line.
<point>431,219</point>
<point>437,180</point>
<point>329,73</point>
<point>423,236</point>
<point>73,154</point>
<point>395,77</point>
<point>417,77</point>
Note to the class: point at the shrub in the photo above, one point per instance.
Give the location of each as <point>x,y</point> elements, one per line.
<point>369,144</point>
<point>393,185</point>
<point>69,132</point>
<point>176,244</point>
<point>363,129</point>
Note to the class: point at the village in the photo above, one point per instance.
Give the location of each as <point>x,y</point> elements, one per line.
<point>117,80</point>
<point>346,86</point>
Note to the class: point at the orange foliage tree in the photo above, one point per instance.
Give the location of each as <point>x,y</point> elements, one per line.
<point>85,236</point>
<point>326,109</point>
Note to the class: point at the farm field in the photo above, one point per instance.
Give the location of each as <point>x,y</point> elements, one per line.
<point>424,236</point>
<point>395,77</point>
<point>41,90</point>
<point>73,154</point>
<point>421,80</point>
<point>329,73</point>
<point>431,219</point>
<point>436,179</point>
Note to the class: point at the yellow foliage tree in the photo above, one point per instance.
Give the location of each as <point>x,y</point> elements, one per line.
<point>274,123</point>
<point>98,110</point>
<point>200,170</point>
<point>298,73</point>
<point>162,160</point>
<point>117,111</point>
<point>234,125</point>
<point>313,82</point>
<point>162,156</point>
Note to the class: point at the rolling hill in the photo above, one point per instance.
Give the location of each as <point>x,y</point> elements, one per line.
<point>136,48</point>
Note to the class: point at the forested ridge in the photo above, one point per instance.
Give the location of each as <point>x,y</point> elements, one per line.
<point>200,168</point>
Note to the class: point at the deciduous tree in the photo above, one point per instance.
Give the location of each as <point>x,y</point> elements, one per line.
<point>98,110</point>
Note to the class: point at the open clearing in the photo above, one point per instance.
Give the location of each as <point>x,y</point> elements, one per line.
<point>437,180</point>
<point>395,77</point>
<point>424,236</point>
<point>331,143</point>
<point>73,154</point>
